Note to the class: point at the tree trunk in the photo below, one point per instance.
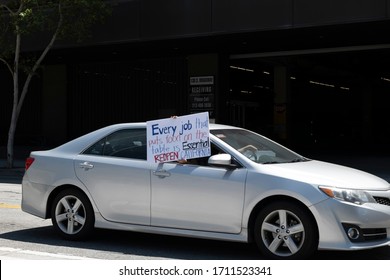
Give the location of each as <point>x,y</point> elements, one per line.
<point>13,123</point>
<point>15,111</point>
<point>18,102</point>
<point>11,137</point>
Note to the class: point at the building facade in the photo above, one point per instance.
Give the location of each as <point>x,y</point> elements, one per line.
<point>310,74</point>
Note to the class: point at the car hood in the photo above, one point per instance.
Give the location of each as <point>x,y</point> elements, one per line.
<point>327,174</point>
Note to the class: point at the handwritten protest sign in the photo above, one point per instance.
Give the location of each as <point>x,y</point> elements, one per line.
<point>183,137</point>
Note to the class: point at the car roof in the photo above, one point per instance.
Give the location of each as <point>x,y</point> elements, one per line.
<point>80,143</point>
<point>212,126</point>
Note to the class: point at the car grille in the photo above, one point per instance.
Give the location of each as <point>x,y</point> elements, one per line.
<point>372,234</point>
<point>382,200</point>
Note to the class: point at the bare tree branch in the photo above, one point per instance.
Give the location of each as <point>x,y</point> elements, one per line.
<point>10,10</point>
<point>8,66</point>
<point>7,8</point>
<point>40,59</point>
<point>21,7</point>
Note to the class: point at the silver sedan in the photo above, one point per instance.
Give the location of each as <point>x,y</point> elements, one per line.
<point>249,189</point>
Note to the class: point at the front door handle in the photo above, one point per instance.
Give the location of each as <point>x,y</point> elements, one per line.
<point>161,173</point>
<point>86,165</point>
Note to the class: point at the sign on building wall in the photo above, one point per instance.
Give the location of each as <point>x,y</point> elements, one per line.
<point>202,92</point>
<point>178,138</point>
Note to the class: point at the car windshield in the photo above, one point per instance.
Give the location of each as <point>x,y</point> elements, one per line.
<point>256,147</point>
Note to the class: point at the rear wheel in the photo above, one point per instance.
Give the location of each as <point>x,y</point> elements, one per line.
<point>72,214</point>
<point>285,230</point>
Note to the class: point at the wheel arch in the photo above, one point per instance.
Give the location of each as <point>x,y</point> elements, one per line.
<point>261,204</point>
<point>56,191</point>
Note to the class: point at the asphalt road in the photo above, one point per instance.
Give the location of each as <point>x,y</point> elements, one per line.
<point>23,236</point>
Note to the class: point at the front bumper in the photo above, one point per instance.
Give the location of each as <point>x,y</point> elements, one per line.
<point>372,218</point>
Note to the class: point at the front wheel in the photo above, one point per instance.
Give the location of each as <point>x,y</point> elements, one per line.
<point>285,230</point>
<point>72,214</point>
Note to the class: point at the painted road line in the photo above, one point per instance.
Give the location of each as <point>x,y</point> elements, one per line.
<point>15,253</point>
<point>9,206</point>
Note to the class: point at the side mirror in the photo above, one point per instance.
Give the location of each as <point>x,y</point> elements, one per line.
<point>221,160</point>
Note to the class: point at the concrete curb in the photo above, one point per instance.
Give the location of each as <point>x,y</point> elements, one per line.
<point>13,175</point>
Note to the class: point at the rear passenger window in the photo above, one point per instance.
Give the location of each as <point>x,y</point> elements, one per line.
<point>128,143</point>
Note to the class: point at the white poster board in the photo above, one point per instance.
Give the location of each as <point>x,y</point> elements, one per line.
<point>178,138</point>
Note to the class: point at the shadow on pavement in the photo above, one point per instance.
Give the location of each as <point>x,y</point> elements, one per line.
<point>160,246</point>
<point>140,244</point>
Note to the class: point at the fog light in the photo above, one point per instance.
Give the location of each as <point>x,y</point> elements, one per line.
<point>353,233</point>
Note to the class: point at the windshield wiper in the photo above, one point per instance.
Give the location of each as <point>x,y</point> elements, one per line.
<point>299,160</point>
<point>291,161</point>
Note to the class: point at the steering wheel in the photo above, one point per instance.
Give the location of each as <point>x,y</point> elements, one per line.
<point>249,151</point>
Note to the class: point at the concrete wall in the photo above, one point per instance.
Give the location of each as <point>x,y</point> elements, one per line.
<point>54,107</point>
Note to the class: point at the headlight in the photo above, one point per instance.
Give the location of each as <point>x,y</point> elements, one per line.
<point>348,195</point>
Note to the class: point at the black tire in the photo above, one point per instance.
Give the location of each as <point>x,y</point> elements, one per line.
<point>294,238</point>
<point>72,215</point>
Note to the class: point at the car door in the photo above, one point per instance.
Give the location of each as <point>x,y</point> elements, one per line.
<point>196,197</point>
<point>117,175</point>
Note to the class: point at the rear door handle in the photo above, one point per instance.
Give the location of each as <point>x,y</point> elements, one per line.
<point>161,173</point>
<point>86,165</point>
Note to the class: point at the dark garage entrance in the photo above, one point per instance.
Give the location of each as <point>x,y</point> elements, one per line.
<point>335,100</point>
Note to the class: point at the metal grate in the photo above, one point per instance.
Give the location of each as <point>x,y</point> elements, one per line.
<point>374,234</point>
<point>382,200</point>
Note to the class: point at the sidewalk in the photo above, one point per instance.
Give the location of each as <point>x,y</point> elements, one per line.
<point>14,175</point>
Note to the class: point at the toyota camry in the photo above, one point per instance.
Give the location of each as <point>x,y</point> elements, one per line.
<point>248,189</point>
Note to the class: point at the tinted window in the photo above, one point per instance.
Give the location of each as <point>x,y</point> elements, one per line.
<point>129,143</point>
